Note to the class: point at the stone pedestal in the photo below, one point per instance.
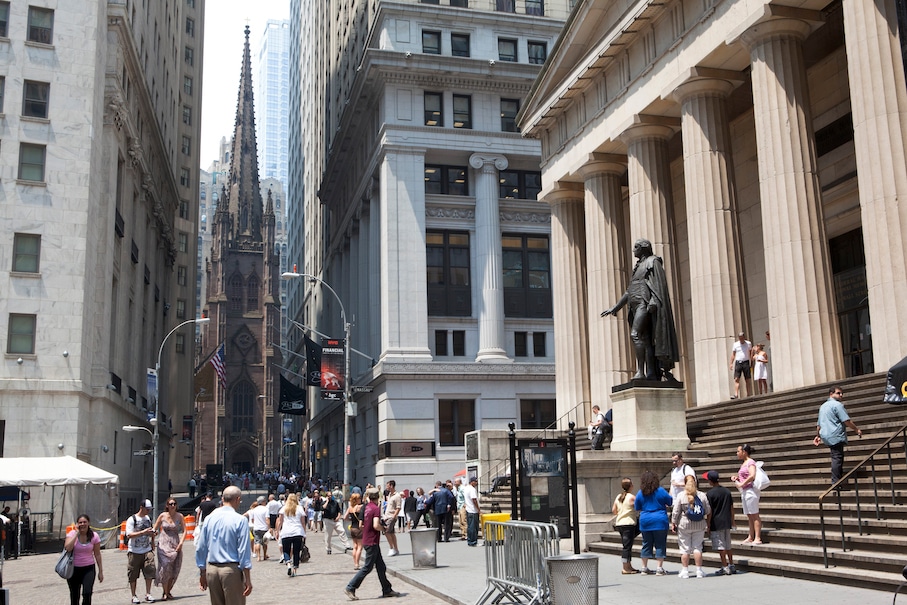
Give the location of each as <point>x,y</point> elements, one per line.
<point>649,419</point>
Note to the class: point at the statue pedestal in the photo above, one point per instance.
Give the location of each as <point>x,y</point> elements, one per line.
<point>649,419</point>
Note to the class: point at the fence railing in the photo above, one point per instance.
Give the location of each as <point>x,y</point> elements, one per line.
<point>884,456</point>
<point>515,562</point>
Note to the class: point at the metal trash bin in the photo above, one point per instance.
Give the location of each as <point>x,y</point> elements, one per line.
<point>424,543</point>
<point>573,579</point>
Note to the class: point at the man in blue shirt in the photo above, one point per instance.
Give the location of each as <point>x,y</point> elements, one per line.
<point>223,553</point>
<point>831,430</point>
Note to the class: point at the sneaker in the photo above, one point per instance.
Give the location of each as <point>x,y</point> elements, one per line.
<point>390,594</point>
<point>135,600</point>
<point>722,572</point>
<point>661,572</point>
<point>683,575</point>
<point>149,598</point>
<point>393,552</point>
<point>646,571</point>
<point>350,594</point>
<point>731,570</point>
<point>699,573</point>
<point>289,569</point>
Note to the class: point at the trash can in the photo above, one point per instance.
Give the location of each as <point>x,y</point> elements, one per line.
<point>573,579</point>
<point>425,552</point>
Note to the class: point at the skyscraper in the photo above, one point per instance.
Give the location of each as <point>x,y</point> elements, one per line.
<point>272,85</point>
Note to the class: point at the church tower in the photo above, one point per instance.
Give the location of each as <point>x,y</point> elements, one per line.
<point>240,428</point>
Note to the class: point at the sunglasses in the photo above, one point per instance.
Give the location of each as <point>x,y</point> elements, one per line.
<point>171,504</point>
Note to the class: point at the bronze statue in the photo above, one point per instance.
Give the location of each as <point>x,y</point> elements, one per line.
<point>650,316</point>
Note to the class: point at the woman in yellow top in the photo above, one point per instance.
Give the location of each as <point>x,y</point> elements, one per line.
<point>626,523</point>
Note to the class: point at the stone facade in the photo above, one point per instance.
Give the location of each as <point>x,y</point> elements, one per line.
<point>764,148</point>
<point>100,129</point>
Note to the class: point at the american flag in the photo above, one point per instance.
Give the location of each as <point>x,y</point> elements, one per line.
<point>217,360</point>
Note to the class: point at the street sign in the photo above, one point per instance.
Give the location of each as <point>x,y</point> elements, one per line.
<point>367,389</point>
<point>142,453</point>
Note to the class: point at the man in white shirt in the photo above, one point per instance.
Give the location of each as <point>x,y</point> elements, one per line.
<point>394,504</point>
<point>741,360</point>
<point>471,503</point>
<point>679,474</point>
<point>258,517</point>
<point>140,552</point>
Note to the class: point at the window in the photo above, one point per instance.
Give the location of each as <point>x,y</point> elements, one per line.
<point>431,42</point>
<point>243,407</point>
<point>526,265</point>
<point>21,334</point>
<point>460,3</point>
<point>252,294</point>
<point>505,6</point>
<point>183,242</point>
<point>2,90</point>
<point>31,162</point>
<point>187,85</point>
<point>34,99</point>
<point>186,145</point>
<point>507,50</point>
<point>459,45</point>
<point>446,180</point>
<point>462,111</point>
<point>441,343</point>
<point>459,343</point>
<point>509,109</point>
<point>535,7</point>
<point>539,348</point>
<point>434,109</point>
<point>519,344</point>
<point>520,184</point>
<point>235,293</point>
<point>538,52</point>
<point>190,27</point>
<point>184,209</point>
<point>447,269</point>
<point>184,177</point>
<point>181,273</point>
<point>456,417</point>
<point>189,55</point>
<point>40,25</point>
<point>190,3</point>
<point>134,255</point>
<point>4,19</point>
<point>26,253</point>
<point>180,308</point>
<point>187,115</point>
<point>430,1</point>
<point>537,413</point>
<point>180,342</point>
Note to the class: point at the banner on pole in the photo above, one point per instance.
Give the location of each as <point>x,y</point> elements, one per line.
<point>292,398</point>
<point>312,363</point>
<point>332,358</point>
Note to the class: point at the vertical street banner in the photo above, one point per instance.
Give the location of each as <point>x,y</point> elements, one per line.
<point>332,352</point>
<point>187,429</point>
<point>151,386</point>
<point>292,398</point>
<point>287,430</point>
<point>312,363</point>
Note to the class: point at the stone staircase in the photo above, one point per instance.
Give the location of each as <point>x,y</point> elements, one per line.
<point>781,427</point>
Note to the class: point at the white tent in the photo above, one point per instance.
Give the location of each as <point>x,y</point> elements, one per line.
<point>86,489</point>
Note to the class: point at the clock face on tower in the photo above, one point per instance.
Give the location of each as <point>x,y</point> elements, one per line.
<point>244,340</point>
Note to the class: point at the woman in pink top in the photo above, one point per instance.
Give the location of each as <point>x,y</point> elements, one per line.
<point>85,545</point>
<point>749,495</point>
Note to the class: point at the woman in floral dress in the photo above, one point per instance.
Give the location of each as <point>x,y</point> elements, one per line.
<point>170,528</point>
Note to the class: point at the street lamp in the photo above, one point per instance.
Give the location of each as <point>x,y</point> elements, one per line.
<point>285,445</point>
<point>131,428</point>
<point>347,397</point>
<point>155,436</point>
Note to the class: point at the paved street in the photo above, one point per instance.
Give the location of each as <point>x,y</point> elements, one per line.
<point>459,579</point>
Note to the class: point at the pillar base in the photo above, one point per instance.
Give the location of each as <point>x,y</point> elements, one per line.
<point>648,419</point>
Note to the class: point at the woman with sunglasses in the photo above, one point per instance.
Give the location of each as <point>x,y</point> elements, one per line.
<point>171,530</point>
<point>86,546</point>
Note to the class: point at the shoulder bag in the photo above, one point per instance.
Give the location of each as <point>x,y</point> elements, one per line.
<point>64,566</point>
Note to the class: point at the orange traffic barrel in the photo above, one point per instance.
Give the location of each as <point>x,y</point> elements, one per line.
<point>123,536</point>
<point>190,527</point>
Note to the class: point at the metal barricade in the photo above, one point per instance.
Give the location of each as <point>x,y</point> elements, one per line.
<point>515,562</point>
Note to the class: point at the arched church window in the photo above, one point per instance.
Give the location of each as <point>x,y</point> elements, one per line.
<point>252,294</point>
<point>243,407</point>
<point>235,293</point>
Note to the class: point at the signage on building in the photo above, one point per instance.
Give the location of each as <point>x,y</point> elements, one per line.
<point>406,449</point>
<point>332,358</point>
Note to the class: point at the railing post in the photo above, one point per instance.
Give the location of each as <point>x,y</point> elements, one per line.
<point>841,518</point>
<point>856,493</point>
<point>875,488</point>
<point>891,473</point>
<point>822,525</point>
<point>514,475</point>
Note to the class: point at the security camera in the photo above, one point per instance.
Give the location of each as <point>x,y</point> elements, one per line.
<point>491,63</point>
<point>60,446</point>
<point>105,449</point>
<point>408,54</point>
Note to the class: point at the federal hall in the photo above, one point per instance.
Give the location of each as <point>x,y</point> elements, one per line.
<point>760,146</point>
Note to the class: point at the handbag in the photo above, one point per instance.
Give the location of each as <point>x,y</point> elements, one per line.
<point>64,566</point>
<point>761,481</point>
<point>356,532</point>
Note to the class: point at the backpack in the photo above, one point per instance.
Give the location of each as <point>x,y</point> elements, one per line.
<point>761,481</point>
<point>126,535</point>
<point>696,512</point>
<point>331,510</point>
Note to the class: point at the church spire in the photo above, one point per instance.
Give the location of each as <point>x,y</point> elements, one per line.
<point>245,204</point>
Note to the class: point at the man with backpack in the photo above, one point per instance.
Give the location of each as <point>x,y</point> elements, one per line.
<point>140,550</point>
<point>332,524</point>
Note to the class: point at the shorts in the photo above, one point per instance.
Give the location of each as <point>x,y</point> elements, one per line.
<point>689,542</point>
<point>721,539</point>
<point>750,499</point>
<point>390,527</point>
<point>260,536</point>
<point>140,562</point>
<point>318,516</point>
<point>742,368</point>
<point>273,521</point>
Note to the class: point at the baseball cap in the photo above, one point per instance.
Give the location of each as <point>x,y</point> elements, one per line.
<point>372,492</point>
<point>711,476</point>
<point>147,503</point>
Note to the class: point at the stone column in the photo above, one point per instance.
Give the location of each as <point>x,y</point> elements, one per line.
<point>404,293</point>
<point>878,97</point>
<point>806,347</point>
<point>610,362</point>
<point>571,317</point>
<point>717,293</point>
<point>488,257</point>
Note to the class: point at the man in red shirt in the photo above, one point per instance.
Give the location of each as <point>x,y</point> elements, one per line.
<point>371,538</point>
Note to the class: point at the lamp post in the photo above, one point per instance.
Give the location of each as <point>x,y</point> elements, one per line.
<point>155,436</point>
<point>347,390</point>
<point>131,428</point>
<point>282,454</point>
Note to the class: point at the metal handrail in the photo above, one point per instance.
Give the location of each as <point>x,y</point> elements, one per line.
<point>852,476</point>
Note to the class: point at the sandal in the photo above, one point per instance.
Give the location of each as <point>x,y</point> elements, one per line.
<point>628,572</point>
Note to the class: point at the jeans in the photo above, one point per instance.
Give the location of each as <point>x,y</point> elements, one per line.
<point>295,544</point>
<point>372,559</point>
<point>82,580</point>
<point>658,540</point>
<point>628,534</point>
<point>837,462</point>
<point>472,528</point>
